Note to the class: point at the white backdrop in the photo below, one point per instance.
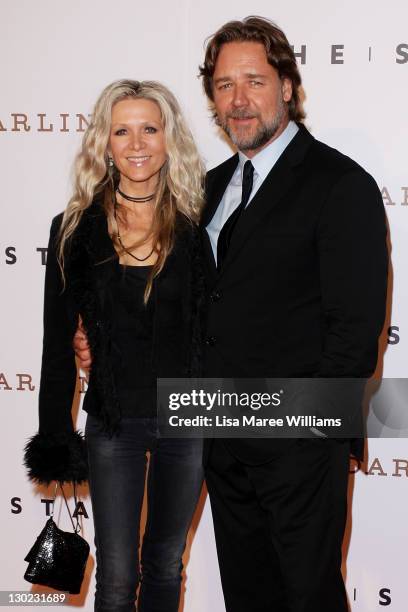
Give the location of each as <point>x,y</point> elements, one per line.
<point>55,59</point>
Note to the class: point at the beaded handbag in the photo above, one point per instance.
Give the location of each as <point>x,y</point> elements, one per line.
<point>58,558</point>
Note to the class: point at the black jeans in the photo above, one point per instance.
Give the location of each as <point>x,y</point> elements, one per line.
<point>117,471</point>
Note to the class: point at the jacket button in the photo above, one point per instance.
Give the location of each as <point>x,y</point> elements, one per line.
<point>211,340</point>
<point>215,296</point>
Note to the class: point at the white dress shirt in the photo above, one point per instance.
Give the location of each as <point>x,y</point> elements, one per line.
<point>263,162</point>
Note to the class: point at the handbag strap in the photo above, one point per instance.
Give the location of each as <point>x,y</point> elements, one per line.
<point>76,527</point>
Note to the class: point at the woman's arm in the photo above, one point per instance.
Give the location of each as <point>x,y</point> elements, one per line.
<point>57,451</point>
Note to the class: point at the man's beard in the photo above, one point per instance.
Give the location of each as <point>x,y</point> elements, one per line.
<point>264,133</point>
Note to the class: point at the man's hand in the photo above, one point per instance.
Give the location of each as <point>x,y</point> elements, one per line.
<point>81,347</point>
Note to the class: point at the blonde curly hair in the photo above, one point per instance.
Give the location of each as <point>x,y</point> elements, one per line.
<point>181,178</point>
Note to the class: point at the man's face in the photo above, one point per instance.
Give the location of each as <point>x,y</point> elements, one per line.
<point>249,97</point>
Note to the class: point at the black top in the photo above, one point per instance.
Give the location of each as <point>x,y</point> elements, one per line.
<point>133,335</point>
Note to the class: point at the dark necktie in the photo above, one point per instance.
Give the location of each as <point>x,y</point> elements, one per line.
<point>227,230</point>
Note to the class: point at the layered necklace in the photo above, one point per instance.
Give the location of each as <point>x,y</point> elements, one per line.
<point>134,199</point>
<point>131,199</point>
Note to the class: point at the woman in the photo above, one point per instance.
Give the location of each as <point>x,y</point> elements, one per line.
<point>124,257</point>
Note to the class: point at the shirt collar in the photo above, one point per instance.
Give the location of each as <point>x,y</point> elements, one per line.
<point>264,161</point>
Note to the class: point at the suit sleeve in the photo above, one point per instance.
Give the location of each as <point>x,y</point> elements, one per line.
<point>197,305</point>
<point>57,451</point>
<point>352,249</point>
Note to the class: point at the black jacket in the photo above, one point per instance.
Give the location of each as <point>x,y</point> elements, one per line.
<point>57,451</point>
<point>302,291</point>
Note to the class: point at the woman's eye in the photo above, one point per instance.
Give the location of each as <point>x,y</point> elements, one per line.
<point>150,129</point>
<point>120,132</point>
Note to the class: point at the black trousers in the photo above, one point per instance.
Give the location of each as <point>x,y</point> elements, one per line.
<point>279,527</point>
<point>117,472</point>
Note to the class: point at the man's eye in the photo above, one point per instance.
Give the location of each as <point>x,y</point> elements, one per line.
<point>256,83</point>
<point>225,86</point>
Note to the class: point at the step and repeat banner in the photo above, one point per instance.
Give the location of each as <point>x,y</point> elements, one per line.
<point>56,57</point>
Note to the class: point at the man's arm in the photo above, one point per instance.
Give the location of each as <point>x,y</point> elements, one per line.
<point>81,347</point>
<point>353,267</point>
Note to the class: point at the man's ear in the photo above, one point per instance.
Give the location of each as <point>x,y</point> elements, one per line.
<point>287,89</point>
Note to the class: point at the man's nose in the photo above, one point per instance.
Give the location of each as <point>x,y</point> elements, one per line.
<point>239,96</point>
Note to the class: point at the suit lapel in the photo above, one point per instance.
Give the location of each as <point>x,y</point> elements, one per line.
<point>209,257</point>
<point>216,184</point>
<point>215,188</point>
<point>277,184</point>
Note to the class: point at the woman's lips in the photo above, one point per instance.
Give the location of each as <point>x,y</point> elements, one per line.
<point>138,161</point>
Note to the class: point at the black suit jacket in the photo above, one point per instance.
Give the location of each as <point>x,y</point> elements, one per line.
<point>302,291</point>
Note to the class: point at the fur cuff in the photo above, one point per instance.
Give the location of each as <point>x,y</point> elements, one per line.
<point>55,456</point>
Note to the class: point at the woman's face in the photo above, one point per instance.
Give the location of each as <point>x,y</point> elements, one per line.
<point>137,144</point>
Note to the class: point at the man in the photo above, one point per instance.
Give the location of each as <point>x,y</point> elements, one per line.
<point>294,241</point>
<point>294,237</point>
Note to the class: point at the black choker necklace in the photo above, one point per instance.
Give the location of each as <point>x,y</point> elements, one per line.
<point>134,199</point>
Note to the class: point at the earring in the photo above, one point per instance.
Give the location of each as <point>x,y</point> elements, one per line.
<point>110,162</point>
